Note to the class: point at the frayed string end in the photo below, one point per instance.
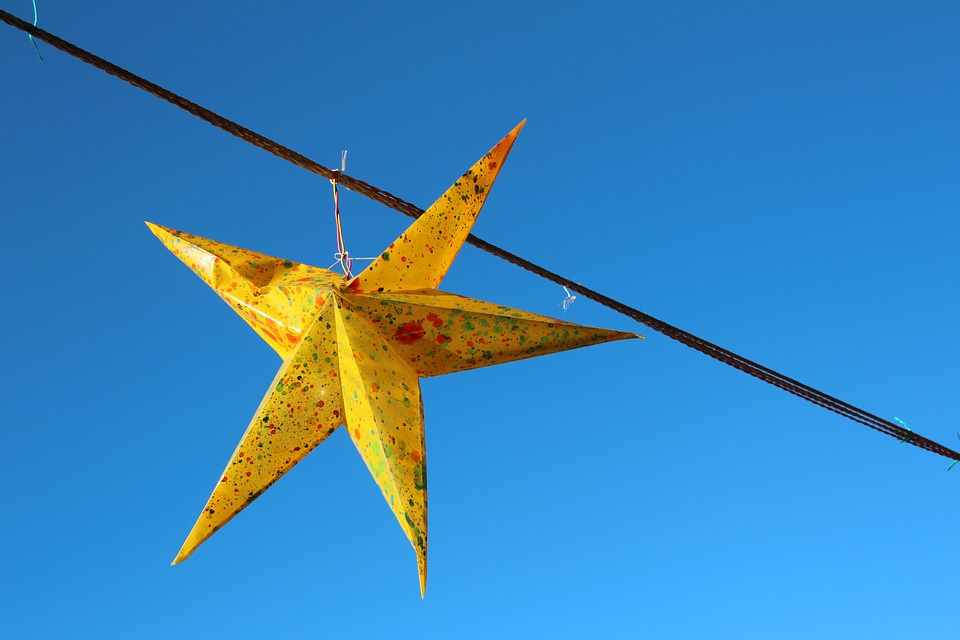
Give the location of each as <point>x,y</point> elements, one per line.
<point>29,35</point>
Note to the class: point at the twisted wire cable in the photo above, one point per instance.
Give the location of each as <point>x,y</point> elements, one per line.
<point>725,356</point>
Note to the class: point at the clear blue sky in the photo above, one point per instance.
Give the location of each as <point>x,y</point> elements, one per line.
<point>779,178</point>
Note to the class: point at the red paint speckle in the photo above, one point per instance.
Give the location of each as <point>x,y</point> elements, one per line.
<point>320,404</point>
<point>442,339</point>
<point>435,320</point>
<point>415,455</point>
<point>409,332</point>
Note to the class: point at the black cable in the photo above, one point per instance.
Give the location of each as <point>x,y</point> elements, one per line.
<point>719,353</point>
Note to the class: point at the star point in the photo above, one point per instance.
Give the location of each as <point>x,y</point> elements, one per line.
<point>354,352</point>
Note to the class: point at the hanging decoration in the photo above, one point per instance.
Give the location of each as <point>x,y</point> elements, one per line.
<point>328,327</point>
<point>354,350</point>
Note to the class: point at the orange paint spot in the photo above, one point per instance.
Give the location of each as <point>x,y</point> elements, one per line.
<point>415,455</point>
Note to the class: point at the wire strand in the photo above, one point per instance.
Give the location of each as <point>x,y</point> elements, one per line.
<point>342,255</point>
<point>703,346</point>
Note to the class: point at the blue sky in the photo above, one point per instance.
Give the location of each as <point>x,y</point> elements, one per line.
<point>778,178</point>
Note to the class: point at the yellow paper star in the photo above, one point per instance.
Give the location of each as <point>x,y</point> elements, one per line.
<point>354,351</point>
